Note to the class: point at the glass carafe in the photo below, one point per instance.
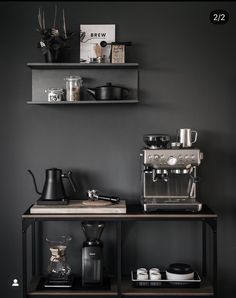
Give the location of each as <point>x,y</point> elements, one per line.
<point>58,268</point>
<point>73,88</point>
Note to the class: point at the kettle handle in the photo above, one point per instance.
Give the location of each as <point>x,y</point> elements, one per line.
<point>69,177</point>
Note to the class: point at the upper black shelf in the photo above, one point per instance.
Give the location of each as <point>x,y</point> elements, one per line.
<point>81,65</point>
<point>84,102</point>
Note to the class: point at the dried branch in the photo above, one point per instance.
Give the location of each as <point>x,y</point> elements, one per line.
<point>55,17</point>
<point>43,21</point>
<point>64,23</point>
<point>40,19</point>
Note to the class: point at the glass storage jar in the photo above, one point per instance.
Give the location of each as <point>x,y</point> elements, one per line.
<point>73,86</point>
<point>55,94</point>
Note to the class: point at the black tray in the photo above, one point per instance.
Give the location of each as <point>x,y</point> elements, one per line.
<point>165,283</point>
<point>76,284</point>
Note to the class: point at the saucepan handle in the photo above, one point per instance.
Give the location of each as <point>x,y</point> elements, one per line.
<point>125,93</point>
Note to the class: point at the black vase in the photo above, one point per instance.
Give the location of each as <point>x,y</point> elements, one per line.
<point>53,56</point>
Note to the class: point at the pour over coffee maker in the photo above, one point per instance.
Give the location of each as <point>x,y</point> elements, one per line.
<point>92,254</point>
<point>59,271</point>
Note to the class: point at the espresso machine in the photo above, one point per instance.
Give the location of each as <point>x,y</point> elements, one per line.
<point>169,174</point>
<point>92,254</point>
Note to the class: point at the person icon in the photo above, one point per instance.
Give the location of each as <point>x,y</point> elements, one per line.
<point>15,283</point>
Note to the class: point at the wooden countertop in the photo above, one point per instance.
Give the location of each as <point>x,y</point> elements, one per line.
<point>134,212</point>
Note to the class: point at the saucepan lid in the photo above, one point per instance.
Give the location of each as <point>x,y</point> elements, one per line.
<point>109,85</point>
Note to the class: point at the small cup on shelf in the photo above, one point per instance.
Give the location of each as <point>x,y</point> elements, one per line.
<point>142,274</point>
<point>154,277</point>
<point>142,270</point>
<point>154,270</point>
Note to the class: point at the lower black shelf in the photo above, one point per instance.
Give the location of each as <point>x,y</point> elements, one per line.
<point>127,289</point>
<point>36,289</point>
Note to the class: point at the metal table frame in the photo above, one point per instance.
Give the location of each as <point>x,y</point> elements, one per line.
<point>207,217</point>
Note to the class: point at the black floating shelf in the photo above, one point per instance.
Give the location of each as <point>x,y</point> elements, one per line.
<point>81,65</point>
<point>83,102</point>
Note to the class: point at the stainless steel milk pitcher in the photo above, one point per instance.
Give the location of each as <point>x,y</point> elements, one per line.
<point>186,137</point>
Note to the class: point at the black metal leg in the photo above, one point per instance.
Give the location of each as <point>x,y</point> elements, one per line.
<point>204,267</point>
<point>24,260</point>
<point>33,249</point>
<point>213,224</point>
<point>39,247</point>
<point>119,265</point>
<point>215,258</point>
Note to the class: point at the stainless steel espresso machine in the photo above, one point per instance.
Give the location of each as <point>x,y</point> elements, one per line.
<point>169,173</point>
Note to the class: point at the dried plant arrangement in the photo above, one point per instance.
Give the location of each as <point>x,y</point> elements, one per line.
<point>52,39</point>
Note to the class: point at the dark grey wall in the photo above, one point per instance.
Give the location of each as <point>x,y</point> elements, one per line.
<point>187,79</point>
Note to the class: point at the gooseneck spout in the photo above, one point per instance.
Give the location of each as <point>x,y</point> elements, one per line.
<point>35,185</point>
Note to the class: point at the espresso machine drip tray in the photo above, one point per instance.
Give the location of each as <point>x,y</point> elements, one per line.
<point>164,204</point>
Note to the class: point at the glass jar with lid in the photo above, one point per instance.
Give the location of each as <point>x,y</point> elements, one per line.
<point>55,94</point>
<point>73,88</point>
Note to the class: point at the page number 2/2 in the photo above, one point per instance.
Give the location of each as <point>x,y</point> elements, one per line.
<point>219,17</point>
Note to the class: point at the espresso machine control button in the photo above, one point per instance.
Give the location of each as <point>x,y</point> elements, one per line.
<point>172,161</point>
<point>156,157</point>
<point>150,156</point>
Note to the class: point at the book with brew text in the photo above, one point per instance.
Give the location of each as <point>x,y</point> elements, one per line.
<point>91,37</point>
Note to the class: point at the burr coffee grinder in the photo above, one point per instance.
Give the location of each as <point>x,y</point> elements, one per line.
<point>92,254</point>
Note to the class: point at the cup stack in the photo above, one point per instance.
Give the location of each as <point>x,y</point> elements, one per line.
<point>153,276</point>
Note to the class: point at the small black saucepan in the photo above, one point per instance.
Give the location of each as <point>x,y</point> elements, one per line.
<point>155,141</point>
<point>109,92</point>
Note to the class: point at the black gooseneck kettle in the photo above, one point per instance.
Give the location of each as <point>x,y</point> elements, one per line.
<point>53,191</point>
